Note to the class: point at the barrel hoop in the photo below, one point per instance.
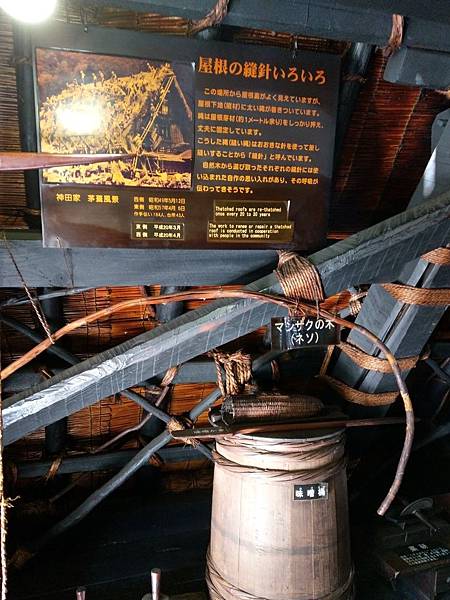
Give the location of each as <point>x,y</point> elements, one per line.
<point>220,589</point>
<point>305,476</point>
<point>304,450</point>
<point>312,459</point>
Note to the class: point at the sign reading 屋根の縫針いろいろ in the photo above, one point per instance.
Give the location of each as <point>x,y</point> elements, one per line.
<point>225,145</point>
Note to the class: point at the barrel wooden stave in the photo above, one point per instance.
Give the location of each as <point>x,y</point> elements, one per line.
<point>269,545</point>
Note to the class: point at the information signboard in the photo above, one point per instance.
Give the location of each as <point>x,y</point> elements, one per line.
<point>227,146</point>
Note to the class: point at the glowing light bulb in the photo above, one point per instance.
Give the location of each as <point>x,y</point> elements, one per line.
<point>79,119</point>
<point>29,11</point>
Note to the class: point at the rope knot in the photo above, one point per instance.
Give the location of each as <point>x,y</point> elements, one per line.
<point>396,37</point>
<point>238,371</point>
<point>180,423</point>
<point>355,304</point>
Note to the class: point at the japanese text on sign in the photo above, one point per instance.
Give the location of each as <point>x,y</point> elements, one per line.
<point>296,332</point>
<point>261,70</point>
<point>313,491</point>
<point>228,146</point>
<point>419,554</point>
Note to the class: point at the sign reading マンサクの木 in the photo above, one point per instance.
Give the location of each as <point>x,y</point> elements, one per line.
<point>226,146</point>
<point>289,333</point>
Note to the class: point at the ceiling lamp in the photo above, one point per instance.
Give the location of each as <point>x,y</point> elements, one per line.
<point>29,11</point>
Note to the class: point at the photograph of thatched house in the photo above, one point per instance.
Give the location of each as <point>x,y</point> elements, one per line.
<point>93,104</point>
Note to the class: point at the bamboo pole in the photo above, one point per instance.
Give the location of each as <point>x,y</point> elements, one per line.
<point>24,161</point>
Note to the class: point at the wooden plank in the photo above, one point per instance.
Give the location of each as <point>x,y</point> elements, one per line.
<point>97,267</point>
<point>404,328</point>
<point>195,371</point>
<point>434,11</point>
<point>377,254</point>
<point>415,66</point>
<point>55,433</point>
<point>107,461</point>
<point>354,69</point>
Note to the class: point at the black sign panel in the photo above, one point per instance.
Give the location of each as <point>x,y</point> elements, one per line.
<point>227,146</point>
<point>423,553</point>
<point>289,333</point>
<point>311,491</point>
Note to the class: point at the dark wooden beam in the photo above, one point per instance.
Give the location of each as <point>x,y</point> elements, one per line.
<point>164,313</point>
<point>415,66</point>
<point>167,312</point>
<point>27,120</point>
<point>194,371</point>
<point>55,349</point>
<point>434,11</point>
<point>369,22</point>
<point>374,255</point>
<point>96,267</point>
<point>88,463</point>
<point>354,69</point>
<point>440,349</point>
<point>405,329</point>
<point>436,177</point>
<point>55,433</point>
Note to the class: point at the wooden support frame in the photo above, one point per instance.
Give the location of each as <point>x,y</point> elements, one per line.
<point>404,328</point>
<point>103,462</point>
<point>97,267</point>
<point>375,255</point>
<point>426,27</point>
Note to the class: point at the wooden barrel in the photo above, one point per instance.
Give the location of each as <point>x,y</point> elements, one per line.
<point>279,526</point>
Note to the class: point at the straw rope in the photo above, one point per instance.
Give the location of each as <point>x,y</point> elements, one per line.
<point>54,467</point>
<point>439,256</point>
<point>298,277</point>
<point>357,396</point>
<point>169,377</point>
<point>355,304</point>
<point>179,424</point>
<point>375,363</point>
<point>238,371</point>
<point>396,37</point>
<point>418,296</point>
<point>214,17</point>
